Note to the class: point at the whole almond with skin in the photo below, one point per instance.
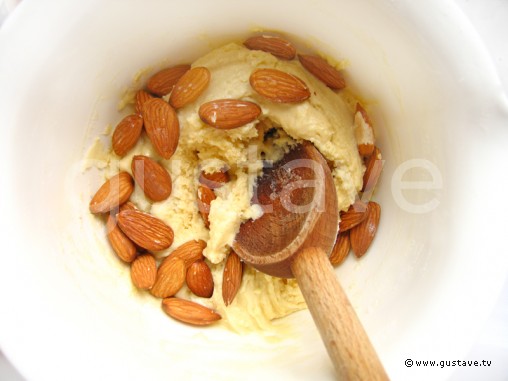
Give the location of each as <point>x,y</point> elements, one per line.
<point>122,246</point>
<point>340,249</point>
<point>145,230</point>
<point>162,126</point>
<point>144,271</point>
<point>323,71</point>
<point>365,149</point>
<point>190,252</point>
<point>214,180</point>
<point>199,279</point>
<point>127,134</point>
<point>151,177</point>
<point>205,198</point>
<point>361,236</point>
<point>373,168</point>
<point>189,312</point>
<point>226,114</point>
<point>129,205</point>
<point>170,277</point>
<point>278,86</point>
<point>353,216</point>
<point>162,82</point>
<point>232,278</point>
<point>141,97</point>
<point>275,45</point>
<point>112,193</point>
<point>190,86</point>
<point>364,132</point>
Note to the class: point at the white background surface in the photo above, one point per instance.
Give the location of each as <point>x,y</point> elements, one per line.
<point>490,18</point>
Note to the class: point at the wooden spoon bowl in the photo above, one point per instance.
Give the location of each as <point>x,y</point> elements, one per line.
<point>297,212</point>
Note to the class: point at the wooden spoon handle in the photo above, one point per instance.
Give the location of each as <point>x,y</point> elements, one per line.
<point>345,339</point>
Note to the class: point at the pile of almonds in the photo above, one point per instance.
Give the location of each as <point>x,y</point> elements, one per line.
<point>358,225</point>
<point>135,235</point>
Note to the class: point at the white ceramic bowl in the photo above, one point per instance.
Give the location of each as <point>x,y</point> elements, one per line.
<point>428,282</point>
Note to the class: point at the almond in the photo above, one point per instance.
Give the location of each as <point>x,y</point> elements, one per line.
<point>126,134</point>
<point>274,45</point>
<point>141,97</point>
<point>278,86</point>
<point>151,177</point>
<point>190,86</point>
<point>112,193</point>
<point>122,246</point>
<point>162,126</point>
<point>232,277</point>
<point>144,271</point>
<point>190,252</point>
<point>129,205</point>
<point>145,230</point>
<point>199,279</point>
<point>226,114</point>
<point>340,249</point>
<point>205,198</point>
<point>361,236</point>
<point>373,168</point>
<point>353,216</point>
<point>170,277</point>
<point>162,82</point>
<point>214,180</point>
<point>364,133</point>
<point>365,149</point>
<point>189,312</point>
<point>323,71</point>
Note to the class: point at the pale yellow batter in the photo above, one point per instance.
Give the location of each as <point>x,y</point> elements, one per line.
<point>324,119</point>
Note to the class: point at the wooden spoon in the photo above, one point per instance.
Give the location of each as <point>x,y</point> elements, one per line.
<point>293,239</point>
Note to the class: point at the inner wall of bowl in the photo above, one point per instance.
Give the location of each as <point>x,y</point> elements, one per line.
<point>385,72</point>
<point>396,71</point>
